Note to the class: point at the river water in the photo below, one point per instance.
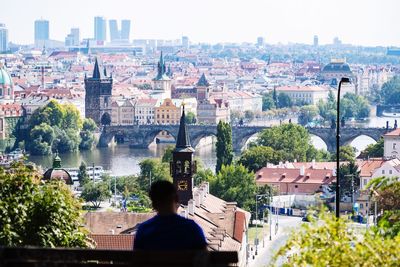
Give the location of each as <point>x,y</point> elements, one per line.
<point>122,160</point>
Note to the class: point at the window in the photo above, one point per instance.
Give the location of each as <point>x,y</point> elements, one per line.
<point>361,205</point>
<point>296,186</point>
<point>383,171</point>
<point>390,172</point>
<point>365,181</point>
<point>394,146</point>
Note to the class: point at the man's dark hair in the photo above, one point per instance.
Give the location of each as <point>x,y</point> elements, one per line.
<point>162,193</point>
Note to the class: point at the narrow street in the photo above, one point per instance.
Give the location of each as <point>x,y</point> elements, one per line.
<point>286,226</point>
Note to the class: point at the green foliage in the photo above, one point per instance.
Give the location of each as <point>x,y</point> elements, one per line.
<point>58,127</point>
<point>373,150</point>
<point>203,176</point>
<point>257,157</point>
<point>331,242</point>
<point>284,101</point>
<point>390,92</point>
<point>167,157</point>
<point>307,114</point>
<point>154,170</point>
<point>95,192</point>
<point>190,118</point>
<point>83,176</point>
<point>292,140</point>
<point>224,145</point>
<point>89,125</point>
<point>268,102</point>
<point>41,138</point>
<point>37,214</point>
<point>249,115</point>
<point>235,183</point>
<point>351,106</point>
<point>349,179</point>
<point>346,153</point>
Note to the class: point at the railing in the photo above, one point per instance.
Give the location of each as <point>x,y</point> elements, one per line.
<point>45,257</point>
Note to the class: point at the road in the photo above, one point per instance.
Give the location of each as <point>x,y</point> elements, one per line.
<point>286,225</point>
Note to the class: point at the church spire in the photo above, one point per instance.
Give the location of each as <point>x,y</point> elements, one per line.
<point>203,81</point>
<point>161,69</point>
<point>183,140</point>
<point>96,70</point>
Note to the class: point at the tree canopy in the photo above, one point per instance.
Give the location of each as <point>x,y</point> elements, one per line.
<point>257,157</point>
<point>373,150</point>
<point>224,145</point>
<point>33,213</point>
<point>390,92</point>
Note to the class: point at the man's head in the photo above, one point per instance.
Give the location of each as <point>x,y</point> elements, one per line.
<point>164,197</point>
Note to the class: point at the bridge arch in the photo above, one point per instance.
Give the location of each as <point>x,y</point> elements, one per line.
<point>318,142</point>
<point>150,137</point>
<point>196,137</point>
<point>361,142</point>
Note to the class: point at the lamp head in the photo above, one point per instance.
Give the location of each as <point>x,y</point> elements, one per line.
<point>345,80</point>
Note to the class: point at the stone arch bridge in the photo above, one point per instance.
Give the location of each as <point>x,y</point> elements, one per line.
<point>141,136</point>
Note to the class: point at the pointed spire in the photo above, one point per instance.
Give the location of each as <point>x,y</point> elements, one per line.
<point>96,70</point>
<point>56,161</point>
<point>183,140</point>
<point>203,81</point>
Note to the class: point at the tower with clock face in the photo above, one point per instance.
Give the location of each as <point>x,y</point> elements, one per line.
<point>182,166</point>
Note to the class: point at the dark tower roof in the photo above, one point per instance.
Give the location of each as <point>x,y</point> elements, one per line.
<point>161,69</point>
<point>96,70</point>
<point>57,172</point>
<point>203,81</point>
<point>183,140</point>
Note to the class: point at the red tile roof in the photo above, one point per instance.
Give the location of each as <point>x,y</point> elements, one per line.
<point>286,175</point>
<point>113,242</point>
<point>395,132</point>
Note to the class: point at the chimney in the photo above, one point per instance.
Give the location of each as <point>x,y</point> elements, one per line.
<point>197,199</point>
<point>183,213</point>
<point>313,164</point>
<point>280,164</point>
<point>207,187</point>
<point>190,207</point>
<point>302,170</point>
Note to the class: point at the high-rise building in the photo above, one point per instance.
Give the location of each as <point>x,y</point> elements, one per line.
<point>3,38</point>
<point>315,40</point>
<point>73,38</point>
<point>98,90</point>
<point>114,32</point>
<point>41,32</point>
<point>260,41</point>
<point>185,41</point>
<point>337,41</point>
<point>125,29</point>
<point>100,27</point>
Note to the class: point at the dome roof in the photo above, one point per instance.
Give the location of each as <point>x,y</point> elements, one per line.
<point>5,78</point>
<point>337,67</point>
<point>57,172</point>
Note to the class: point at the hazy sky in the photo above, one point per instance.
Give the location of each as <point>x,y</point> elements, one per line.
<point>366,22</point>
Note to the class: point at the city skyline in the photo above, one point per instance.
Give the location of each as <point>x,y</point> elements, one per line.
<point>357,22</point>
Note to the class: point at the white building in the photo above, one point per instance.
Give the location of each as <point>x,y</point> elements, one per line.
<point>391,145</point>
<point>144,111</point>
<point>123,112</point>
<point>305,94</point>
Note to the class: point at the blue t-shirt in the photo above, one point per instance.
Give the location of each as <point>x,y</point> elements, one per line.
<point>171,232</point>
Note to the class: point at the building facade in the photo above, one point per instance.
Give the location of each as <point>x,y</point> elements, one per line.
<point>98,91</point>
<point>73,38</point>
<point>3,38</point>
<point>391,144</point>
<point>100,30</point>
<point>123,112</point>
<point>41,32</point>
<point>145,110</point>
<point>168,111</point>
<point>310,95</point>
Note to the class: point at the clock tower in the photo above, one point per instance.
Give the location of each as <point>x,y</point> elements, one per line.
<point>182,166</point>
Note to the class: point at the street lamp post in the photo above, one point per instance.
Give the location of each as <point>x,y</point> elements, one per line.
<point>343,80</point>
<point>256,240</point>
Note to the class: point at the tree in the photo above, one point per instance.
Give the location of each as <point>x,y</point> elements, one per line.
<point>190,118</point>
<point>248,114</point>
<point>37,214</point>
<point>390,92</point>
<point>224,145</point>
<point>349,179</point>
<point>105,119</point>
<point>154,170</point>
<point>257,157</point>
<point>42,136</point>
<point>373,150</point>
<point>346,153</point>
<point>89,125</point>
<point>292,140</point>
<point>235,183</point>
<point>72,118</point>
<point>88,140</point>
<point>307,114</point>
<point>268,102</point>
<point>331,242</point>
<point>284,100</point>
<point>203,176</point>
<point>95,192</point>
<point>83,176</point>
<point>167,157</point>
